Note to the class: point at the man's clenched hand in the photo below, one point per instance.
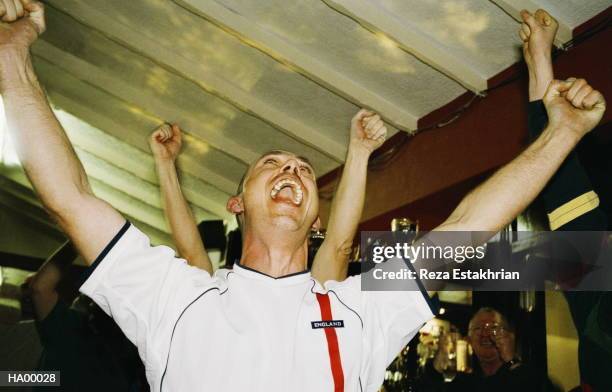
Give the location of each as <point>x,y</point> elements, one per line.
<point>22,22</point>
<point>368,131</point>
<point>574,105</point>
<point>537,32</point>
<point>166,142</point>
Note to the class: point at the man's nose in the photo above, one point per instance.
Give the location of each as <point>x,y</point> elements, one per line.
<point>291,166</point>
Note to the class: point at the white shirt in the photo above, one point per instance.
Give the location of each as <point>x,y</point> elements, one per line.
<point>242,330</point>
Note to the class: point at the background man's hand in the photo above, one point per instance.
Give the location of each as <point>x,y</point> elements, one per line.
<point>166,142</point>
<point>368,131</point>
<point>22,22</point>
<point>574,105</point>
<point>537,32</point>
<point>505,344</point>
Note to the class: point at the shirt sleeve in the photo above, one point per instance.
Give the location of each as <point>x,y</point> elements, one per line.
<point>144,289</point>
<point>569,198</point>
<point>537,118</point>
<point>390,320</point>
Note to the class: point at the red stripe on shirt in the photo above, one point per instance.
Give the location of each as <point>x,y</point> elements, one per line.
<point>332,343</point>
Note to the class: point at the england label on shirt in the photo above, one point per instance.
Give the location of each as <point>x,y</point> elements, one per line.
<point>327,324</point>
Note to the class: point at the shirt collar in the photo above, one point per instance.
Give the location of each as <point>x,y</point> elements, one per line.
<point>250,273</point>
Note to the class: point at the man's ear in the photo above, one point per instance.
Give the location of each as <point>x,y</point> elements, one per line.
<point>234,205</point>
<point>317,223</point>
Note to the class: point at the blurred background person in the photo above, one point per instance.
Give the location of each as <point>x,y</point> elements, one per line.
<point>496,366</point>
<point>79,339</point>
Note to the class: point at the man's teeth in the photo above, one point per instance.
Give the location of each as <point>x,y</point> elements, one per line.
<point>297,194</point>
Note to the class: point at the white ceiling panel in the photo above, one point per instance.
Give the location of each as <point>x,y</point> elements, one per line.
<point>476,31</point>
<point>336,50</point>
<point>199,51</point>
<point>574,12</point>
<point>146,217</point>
<point>139,80</point>
<point>132,125</point>
<point>106,155</point>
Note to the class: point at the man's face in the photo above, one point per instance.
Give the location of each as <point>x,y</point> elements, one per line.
<point>280,190</point>
<point>488,335</point>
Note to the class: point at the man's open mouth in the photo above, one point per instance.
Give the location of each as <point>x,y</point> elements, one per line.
<point>487,343</point>
<point>288,189</point>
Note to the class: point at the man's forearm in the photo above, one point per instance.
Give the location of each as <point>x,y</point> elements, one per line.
<point>345,214</point>
<point>540,74</point>
<point>182,222</point>
<point>40,137</point>
<point>494,204</point>
<point>347,204</point>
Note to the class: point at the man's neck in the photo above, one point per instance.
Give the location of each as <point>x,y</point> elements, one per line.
<point>490,368</point>
<point>274,254</point>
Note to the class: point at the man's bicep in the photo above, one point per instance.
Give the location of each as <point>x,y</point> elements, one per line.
<point>91,224</point>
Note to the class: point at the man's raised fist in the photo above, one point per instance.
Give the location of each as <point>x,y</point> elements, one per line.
<point>166,142</point>
<point>22,22</point>
<point>574,105</point>
<point>537,32</point>
<point>368,131</point>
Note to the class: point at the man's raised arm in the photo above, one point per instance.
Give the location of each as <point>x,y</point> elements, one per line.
<point>574,108</point>
<point>42,146</point>
<point>165,143</point>
<point>368,132</point>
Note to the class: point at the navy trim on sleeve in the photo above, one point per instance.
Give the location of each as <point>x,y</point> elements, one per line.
<point>87,273</point>
<point>434,305</point>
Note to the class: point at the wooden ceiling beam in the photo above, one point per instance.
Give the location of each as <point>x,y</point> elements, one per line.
<point>124,203</point>
<point>122,153</point>
<point>105,157</point>
<point>378,20</point>
<point>22,200</point>
<point>118,178</point>
<point>110,130</point>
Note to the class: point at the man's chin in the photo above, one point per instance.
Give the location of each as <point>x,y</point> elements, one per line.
<point>286,223</point>
<point>488,354</point>
<point>286,215</point>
